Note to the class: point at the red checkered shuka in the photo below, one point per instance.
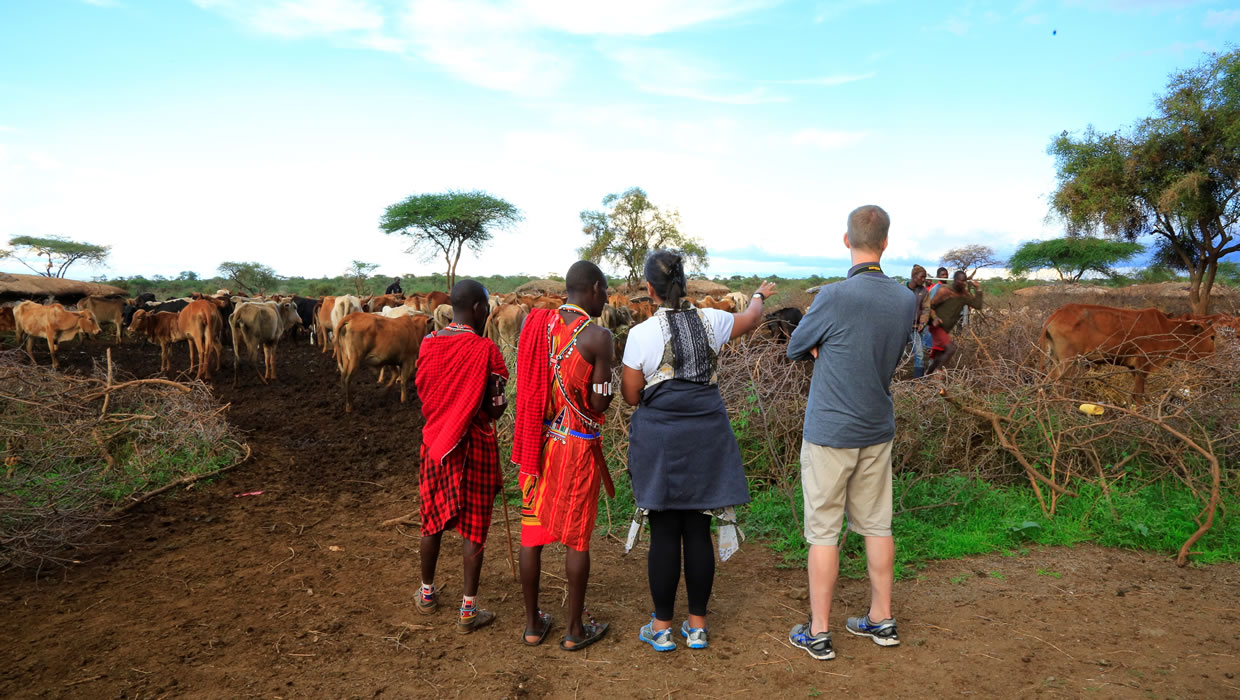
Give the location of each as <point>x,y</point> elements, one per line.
<point>459,458</point>
<point>462,487</point>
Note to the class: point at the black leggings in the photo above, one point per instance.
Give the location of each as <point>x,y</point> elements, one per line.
<point>668,528</point>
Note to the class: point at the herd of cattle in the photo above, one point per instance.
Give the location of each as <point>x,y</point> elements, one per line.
<point>379,331</point>
<point>386,331</point>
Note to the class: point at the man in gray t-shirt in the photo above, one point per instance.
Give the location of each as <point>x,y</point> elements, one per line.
<point>856,330</point>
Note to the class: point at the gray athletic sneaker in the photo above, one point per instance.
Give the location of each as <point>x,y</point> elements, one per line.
<point>882,632</point>
<point>697,636</point>
<point>818,645</point>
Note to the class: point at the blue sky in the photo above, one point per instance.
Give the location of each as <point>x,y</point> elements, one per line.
<point>186,133</point>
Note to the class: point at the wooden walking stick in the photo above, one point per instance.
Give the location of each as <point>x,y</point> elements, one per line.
<point>508,531</point>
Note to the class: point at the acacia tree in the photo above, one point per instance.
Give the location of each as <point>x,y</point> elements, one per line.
<point>629,228</point>
<point>446,223</point>
<point>971,258</point>
<point>1072,257</point>
<point>255,278</point>
<point>1174,176</point>
<point>60,252</point>
<point>359,272</point>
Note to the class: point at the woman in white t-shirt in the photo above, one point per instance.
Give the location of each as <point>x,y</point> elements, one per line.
<point>683,457</point>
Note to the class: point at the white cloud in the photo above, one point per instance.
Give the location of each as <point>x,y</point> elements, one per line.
<point>635,17</point>
<point>485,44</point>
<point>827,11</point>
<point>300,18</point>
<point>955,25</point>
<point>827,140</point>
<point>497,44</point>
<point>1222,19</point>
<point>43,161</point>
<point>827,80</point>
<point>673,74</point>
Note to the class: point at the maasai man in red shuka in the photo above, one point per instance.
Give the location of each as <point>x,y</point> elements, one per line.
<point>460,380</point>
<point>563,389</point>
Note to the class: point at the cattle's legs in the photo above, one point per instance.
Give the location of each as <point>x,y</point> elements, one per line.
<point>236,352</point>
<point>1138,386</point>
<point>51,347</point>
<point>190,343</point>
<point>269,359</point>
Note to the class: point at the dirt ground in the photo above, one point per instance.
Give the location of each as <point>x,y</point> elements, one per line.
<point>299,592</point>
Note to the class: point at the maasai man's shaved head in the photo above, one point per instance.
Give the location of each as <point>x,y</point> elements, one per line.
<point>867,228</point>
<point>466,294</point>
<point>584,276</point>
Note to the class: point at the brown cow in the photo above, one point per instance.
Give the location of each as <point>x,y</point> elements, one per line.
<point>709,302</point>
<point>613,318</point>
<point>376,341</point>
<point>107,309</point>
<point>434,300</point>
<point>376,303</point>
<point>201,324</point>
<point>52,323</point>
<point>323,321</point>
<point>7,324</point>
<point>162,328</point>
<point>504,325</point>
<point>1140,339</point>
<point>641,310</point>
<point>1217,320</point>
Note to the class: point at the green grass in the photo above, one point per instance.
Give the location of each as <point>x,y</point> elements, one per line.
<point>1157,518</point>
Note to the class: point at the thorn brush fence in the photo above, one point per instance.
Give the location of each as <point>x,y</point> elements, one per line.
<point>77,451</point>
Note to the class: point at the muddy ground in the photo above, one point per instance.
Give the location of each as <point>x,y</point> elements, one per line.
<point>299,592</point>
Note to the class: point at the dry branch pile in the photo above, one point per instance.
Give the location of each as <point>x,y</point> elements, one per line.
<point>77,451</point>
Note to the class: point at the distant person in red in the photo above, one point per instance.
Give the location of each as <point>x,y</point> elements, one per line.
<point>563,389</point>
<point>946,305</point>
<point>460,380</point>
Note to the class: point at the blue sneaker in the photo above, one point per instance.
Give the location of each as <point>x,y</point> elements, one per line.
<point>697,636</point>
<point>661,640</point>
<point>882,632</point>
<point>818,645</point>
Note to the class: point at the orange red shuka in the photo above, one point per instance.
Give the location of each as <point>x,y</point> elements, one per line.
<point>559,491</point>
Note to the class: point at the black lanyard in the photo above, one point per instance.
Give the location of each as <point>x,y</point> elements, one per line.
<point>865,268</point>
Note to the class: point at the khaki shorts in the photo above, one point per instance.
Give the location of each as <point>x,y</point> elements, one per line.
<point>855,481</point>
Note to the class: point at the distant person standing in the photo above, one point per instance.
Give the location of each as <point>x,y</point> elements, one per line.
<point>394,287</point>
<point>921,335</point>
<point>856,331</point>
<point>945,307</point>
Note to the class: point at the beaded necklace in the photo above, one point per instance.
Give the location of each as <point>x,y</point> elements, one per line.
<point>454,326</point>
<point>574,307</point>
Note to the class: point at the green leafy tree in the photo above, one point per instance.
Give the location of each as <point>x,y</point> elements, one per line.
<point>187,276</point>
<point>1229,273</point>
<point>59,251</point>
<point>1174,176</point>
<point>358,272</point>
<point>631,226</point>
<point>252,277</point>
<point>970,258</point>
<point>446,223</point>
<point>1072,257</point>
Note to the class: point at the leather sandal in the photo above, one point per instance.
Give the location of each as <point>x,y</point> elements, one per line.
<point>545,618</point>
